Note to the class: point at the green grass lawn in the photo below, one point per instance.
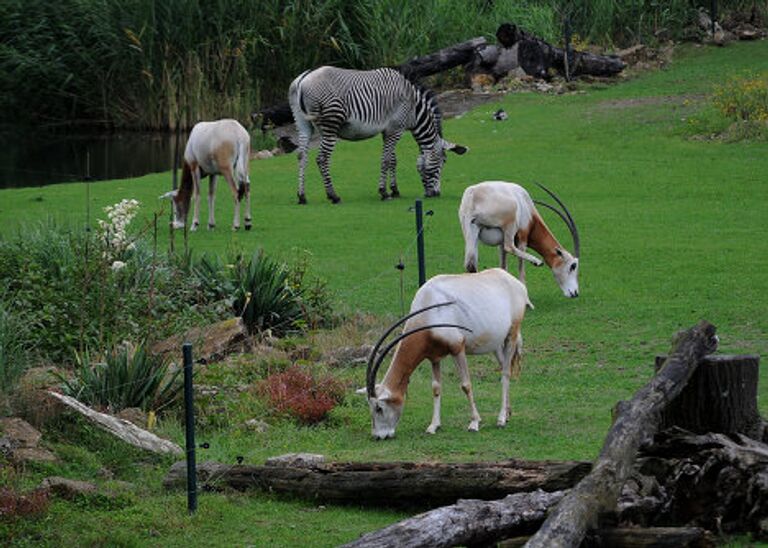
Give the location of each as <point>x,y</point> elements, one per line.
<point>673,231</point>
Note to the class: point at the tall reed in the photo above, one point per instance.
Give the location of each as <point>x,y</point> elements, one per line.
<point>148,64</point>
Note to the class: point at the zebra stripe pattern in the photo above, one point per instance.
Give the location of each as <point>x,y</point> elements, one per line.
<point>355,105</point>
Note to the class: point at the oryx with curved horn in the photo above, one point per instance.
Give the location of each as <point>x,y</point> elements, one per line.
<point>503,214</point>
<point>456,314</point>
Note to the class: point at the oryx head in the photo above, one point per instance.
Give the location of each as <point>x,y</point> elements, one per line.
<point>180,208</point>
<point>386,407</point>
<point>430,164</point>
<point>566,266</point>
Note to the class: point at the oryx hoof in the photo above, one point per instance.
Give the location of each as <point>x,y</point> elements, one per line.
<point>211,226</point>
<point>194,226</point>
<point>474,426</point>
<point>433,428</point>
<point>248,225</point>
<point>235,228</point>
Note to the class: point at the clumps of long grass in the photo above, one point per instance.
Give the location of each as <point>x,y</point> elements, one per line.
<point>125,376</point>
<point>14,347</point>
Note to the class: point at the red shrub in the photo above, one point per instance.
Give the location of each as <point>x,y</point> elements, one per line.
<point>20,505</point>
<point>304,397</point>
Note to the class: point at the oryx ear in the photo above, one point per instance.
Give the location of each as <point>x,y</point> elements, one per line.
<point>170,195</point>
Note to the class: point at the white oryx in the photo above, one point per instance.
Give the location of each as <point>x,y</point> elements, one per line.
<point>222,147</point>
<point>503,214</point>
<point>456,314</point>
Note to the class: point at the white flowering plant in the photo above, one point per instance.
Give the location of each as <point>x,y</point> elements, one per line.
<point>114,231</point>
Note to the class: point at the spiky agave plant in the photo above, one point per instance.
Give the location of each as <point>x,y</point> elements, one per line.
<point>125,376</point>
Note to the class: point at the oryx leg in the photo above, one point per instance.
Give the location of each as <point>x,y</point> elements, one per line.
<point>229,176</point>
<point>471,232</point>
<point>509,357</point>
<point>509,245</point>
<point>196,176</point>
<point>211,202</point>
<point>247,196</point>
<point>502,257</point>
<point>522,245</point>
<point>466,386</point>
<point>389,165</point>
<point>435,424</point>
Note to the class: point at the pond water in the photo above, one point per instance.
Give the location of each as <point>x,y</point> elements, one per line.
<point>37,158</point>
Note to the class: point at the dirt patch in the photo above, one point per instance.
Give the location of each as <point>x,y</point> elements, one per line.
<point>635,102</point>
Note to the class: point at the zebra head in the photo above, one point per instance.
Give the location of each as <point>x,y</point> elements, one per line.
<point>430,164</point>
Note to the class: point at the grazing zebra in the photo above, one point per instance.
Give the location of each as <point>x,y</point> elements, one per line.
<point>355,105</point>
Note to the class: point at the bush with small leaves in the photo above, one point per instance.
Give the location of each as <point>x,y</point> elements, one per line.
<point>305,397</point>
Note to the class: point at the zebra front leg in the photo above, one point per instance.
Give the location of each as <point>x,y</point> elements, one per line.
<point>327,144</point>
<point>389,165</point>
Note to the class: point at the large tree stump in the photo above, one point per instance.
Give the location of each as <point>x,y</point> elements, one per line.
<point>721,396</point>
<point>636,422</point>
<point>423,485</point>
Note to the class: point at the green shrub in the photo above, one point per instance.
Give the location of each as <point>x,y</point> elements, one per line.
<point>743,98</point>
<point>127,376</point>
<point>14,347</point>
<point>264,297</point>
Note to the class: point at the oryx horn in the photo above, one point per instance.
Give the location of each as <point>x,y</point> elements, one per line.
<point>370,375</point>
<point>371,386</point>
<point>566,216</point>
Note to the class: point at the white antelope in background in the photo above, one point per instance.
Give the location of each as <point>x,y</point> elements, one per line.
<point>502,214</point>
<point>215,148</point>
<point>455,314</point>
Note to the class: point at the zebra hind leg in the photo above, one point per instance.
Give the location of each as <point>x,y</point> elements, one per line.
<point>323,162</point>
<point>388,166</point>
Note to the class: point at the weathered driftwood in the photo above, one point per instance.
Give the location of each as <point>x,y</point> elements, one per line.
<point>442,60</point>
<point>715,481</point>
<point>466,523</point>
<point>651,537</point>
<point>535,56</point>
<point>721,396</point>
<point>635,423</point>
<point>423,485</point>
<point>126,431</point>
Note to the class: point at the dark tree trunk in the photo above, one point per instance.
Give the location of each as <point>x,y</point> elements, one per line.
<point>390,484</point>
<point>635,422</point>
<point>720,397</point>
<point>466,523</point>
<point>442,60</point>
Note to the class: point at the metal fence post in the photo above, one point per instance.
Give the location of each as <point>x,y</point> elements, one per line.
<point>420,242</point>
<point>189,417</point>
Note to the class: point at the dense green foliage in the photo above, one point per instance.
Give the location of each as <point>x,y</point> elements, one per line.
<point>672,231</point>
<point>148,64</point>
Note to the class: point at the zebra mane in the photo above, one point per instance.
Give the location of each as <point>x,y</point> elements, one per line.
<point>429,96</point>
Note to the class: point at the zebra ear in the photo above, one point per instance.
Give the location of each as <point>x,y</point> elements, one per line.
<point>453,147</point>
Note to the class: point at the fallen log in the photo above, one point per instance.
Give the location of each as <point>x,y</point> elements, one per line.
<point>536,56</point>
<point>120,428</point>
<point>424,485</point>
<point>652,537</point>
<point>466,523</point>
<point>635,423</point>
<point>413,69</point>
